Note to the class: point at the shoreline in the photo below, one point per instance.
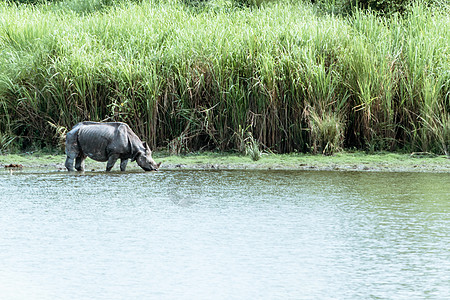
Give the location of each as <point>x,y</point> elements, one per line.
<point>344,161</point>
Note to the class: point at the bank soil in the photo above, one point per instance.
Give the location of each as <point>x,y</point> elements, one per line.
<point>382,162</point>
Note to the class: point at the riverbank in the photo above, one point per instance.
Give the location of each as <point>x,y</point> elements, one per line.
<point>345,161</point>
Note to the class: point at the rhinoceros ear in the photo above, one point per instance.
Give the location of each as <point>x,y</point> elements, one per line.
<point>147,148</point>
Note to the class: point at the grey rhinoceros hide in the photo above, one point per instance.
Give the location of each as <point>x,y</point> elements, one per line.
<point>106,142</point>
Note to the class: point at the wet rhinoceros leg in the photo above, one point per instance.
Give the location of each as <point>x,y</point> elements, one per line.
<point>111,161</point>
<point>72,148</point>
<point>71,156</point>
<point>123,165</point>
<point>69,163</point>
<point>79,163</point>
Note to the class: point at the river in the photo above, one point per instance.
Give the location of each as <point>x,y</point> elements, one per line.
<point>224,235</point>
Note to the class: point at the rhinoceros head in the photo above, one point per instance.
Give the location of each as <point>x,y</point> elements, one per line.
<point>145,161</point>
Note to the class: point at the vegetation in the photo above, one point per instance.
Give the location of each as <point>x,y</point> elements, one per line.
<point>342,161</point>
<point>191,77</point>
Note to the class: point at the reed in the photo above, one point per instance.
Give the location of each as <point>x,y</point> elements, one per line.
<point>190,78</point>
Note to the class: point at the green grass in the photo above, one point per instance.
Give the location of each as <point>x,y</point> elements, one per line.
<point>191,77</point>
<point>343,161</point>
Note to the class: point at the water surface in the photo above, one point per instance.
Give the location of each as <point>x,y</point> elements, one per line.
<point>224,235</point>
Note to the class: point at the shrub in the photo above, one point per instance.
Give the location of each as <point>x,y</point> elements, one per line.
<point>380,6</point>
<point>326,131</point>
<point>384,6</point>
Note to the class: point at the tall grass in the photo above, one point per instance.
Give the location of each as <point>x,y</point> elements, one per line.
<point>190,78</point>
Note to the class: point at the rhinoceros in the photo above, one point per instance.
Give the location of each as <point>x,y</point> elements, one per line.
<point>106,142</point>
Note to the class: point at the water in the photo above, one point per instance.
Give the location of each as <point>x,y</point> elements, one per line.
<point>224,235</point>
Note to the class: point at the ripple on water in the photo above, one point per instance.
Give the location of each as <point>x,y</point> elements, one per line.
<point>224,234</point>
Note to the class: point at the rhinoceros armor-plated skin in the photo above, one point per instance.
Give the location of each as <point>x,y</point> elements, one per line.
<point>106,142</point>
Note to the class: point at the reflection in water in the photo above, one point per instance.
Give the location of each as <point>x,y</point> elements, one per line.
<point>224,234</point>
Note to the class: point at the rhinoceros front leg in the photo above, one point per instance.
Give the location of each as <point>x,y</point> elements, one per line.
<point>111,161</point>
<point>123,165</point>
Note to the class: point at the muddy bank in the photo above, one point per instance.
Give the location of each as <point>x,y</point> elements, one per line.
<point>341,162</point>
<point>358,161</point>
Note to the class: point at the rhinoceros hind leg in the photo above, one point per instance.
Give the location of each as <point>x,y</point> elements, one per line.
<point>79,163</point>
<point>69,164</point>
